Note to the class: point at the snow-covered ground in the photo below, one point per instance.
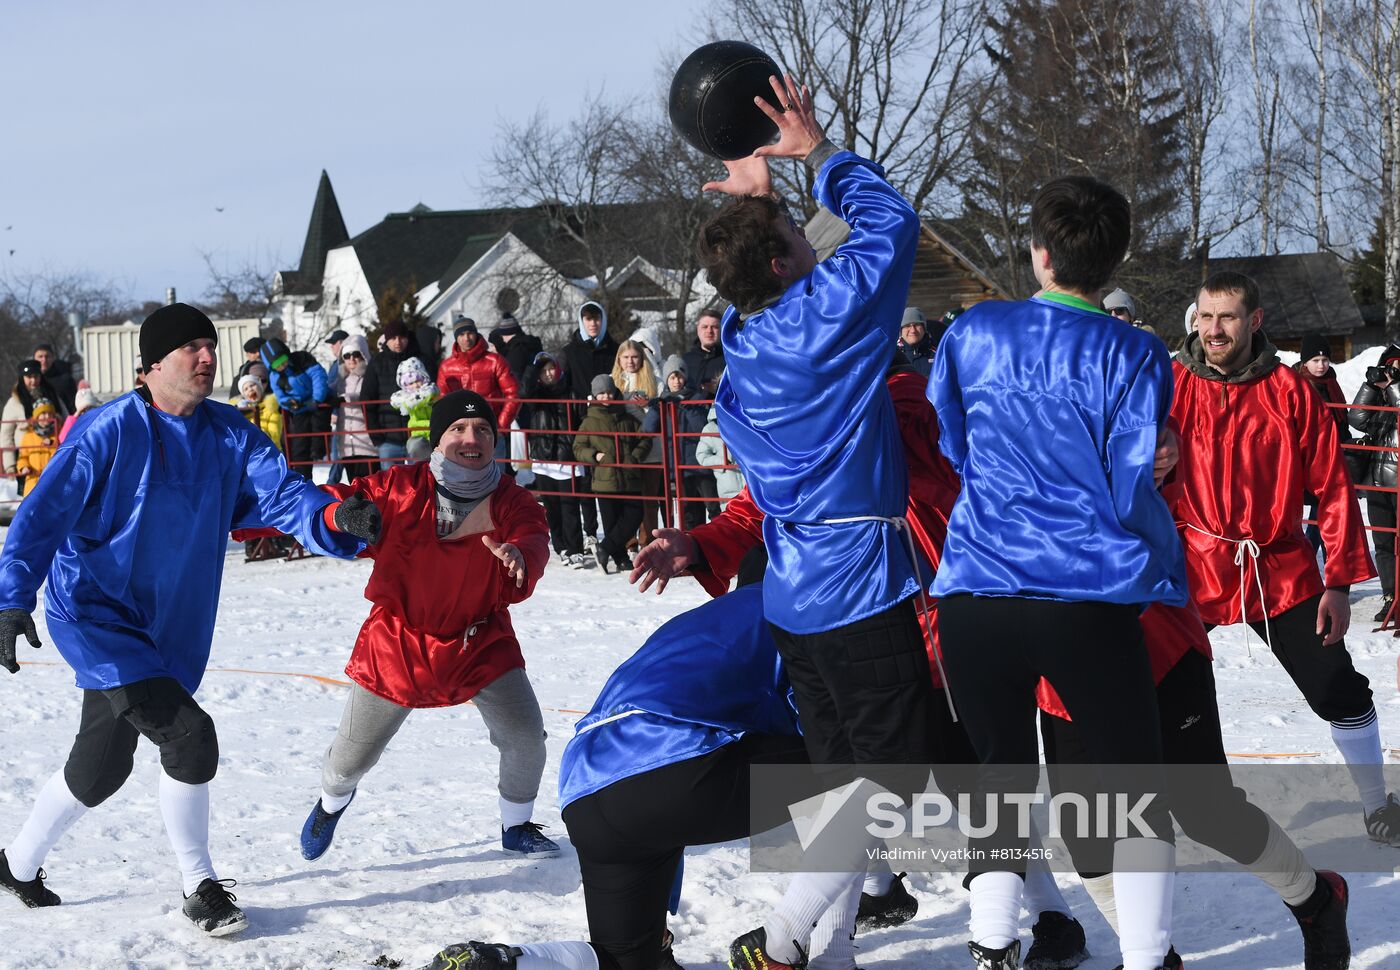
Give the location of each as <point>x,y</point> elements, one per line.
<point>417,862</point>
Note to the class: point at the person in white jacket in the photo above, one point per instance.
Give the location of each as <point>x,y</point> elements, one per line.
<point>710,451</point>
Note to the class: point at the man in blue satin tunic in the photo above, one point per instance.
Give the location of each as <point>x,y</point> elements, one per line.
<point>1051,412</point>
<point>804,410</point>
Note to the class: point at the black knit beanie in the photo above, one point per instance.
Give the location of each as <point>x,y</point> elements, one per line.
<point>1315,345</point>
<point>454,407</point>
<point>170,328</point>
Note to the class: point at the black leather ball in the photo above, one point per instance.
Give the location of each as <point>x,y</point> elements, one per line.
<point>712,94</point>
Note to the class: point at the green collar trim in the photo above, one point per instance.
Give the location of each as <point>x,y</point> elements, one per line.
<point>1068,300</point>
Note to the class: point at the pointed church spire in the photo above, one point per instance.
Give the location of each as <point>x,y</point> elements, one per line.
<point>326,231</point>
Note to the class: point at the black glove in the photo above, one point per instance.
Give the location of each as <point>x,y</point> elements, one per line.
<point>12,623</point>
<point>356,516</point>
<point>1377,375</point>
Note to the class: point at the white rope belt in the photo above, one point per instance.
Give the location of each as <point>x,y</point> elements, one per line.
<point>901,525</point>
<point>606,720</point>
<point>1246,555</point>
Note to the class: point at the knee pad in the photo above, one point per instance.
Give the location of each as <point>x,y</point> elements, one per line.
<point>94,783</point>
<point>192,756</point>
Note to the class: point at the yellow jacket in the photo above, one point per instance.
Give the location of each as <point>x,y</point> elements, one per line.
<point>265,414</point>
<point>34,455</point>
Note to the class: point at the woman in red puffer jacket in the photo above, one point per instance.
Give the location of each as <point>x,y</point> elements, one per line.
<point>473,367</point>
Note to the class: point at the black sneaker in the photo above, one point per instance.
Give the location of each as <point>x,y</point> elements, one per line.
<point>1057,944</point>
<point>896,906</point>
<point>668,958</point>
<point>748,953</point>
<point>1172,961</point>
<point>1323,920</point>
<point>211,908</point>
<point>33,893</point>
<point>1384,611</point>
<point>1383,825</point>
<point>1007,958</point>
<point>476,956</point>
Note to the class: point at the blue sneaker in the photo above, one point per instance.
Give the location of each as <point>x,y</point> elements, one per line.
<point>527,839</point>
<point>319,830</point>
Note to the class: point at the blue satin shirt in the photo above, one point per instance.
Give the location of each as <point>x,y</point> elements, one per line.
<point>804,410</point>
<point>130,523</point>
<point>703,680</point>
<point>1049,410</point>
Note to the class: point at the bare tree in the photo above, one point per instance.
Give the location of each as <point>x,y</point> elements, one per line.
<point>1313,15</point>
<point>666,170</point>
<point>893,79</point>
<point>1199,33</point>
<point>612,183</point>
<point>238,292</point>
<point>1367,34</point>
<point>1087,87</point>
<point>572,172</point>
<point>1267,87</point>
<point>35,308</point>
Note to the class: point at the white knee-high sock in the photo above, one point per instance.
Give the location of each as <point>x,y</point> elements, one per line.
<point>1144,875</point>
<point>1281,867</point>
<point>1359,741</point>
<point>334,803</point>
<point>185,809</point>
<point>996,908</point>
<point>833,941</point>
<point>54,811</point>
<point>1100,890</point>
<point>557,955</point>
<point>878,878</point>
<point>809,895</point>
<point>515,813</point>
<point>1042,893</point>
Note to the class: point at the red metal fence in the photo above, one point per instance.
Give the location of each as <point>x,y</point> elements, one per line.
<point>673,439</point>
<point>672,497</point>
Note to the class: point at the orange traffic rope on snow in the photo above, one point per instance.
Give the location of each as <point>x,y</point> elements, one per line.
<point>336,682</point>
<point>318,678</point>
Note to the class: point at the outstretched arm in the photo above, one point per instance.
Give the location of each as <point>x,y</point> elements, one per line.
<point>272,494</point>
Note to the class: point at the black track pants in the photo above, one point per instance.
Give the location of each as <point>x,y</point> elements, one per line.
<point>630,837</point>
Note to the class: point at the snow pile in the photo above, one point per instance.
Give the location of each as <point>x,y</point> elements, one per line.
<point>417,861</point>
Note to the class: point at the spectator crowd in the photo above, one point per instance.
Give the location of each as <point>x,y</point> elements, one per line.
<point>598,425</point>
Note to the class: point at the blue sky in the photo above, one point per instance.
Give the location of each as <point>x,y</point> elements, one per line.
<point>127,125</point>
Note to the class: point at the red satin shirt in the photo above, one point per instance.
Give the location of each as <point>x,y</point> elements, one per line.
<point>439,629</point>
<point>1248,452</point>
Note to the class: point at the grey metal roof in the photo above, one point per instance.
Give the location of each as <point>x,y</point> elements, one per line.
<point>1300,292</point>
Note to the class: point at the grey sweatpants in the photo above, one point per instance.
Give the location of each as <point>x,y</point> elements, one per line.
<point>507,705</point>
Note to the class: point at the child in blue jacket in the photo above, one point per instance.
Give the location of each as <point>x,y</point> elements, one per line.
<point>300,386</point>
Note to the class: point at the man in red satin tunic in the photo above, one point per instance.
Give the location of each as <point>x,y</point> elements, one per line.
<point>1254,439</point>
